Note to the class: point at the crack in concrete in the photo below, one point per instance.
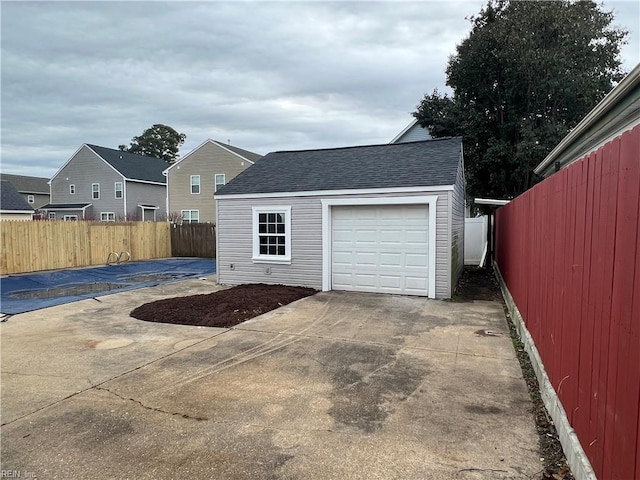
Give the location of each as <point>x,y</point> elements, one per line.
<point>46,376</point>
<point>154,409</point>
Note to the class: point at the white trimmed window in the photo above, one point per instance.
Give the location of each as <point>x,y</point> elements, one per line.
<point>118,189</point>
<point>72,189</point>
<point>107,217</point>
<point>272,234</point>
<point>95,191</point>
<point>195,184</point>
<point>52,215</point>
<point>220,180</point>
<point>190,216</point>
<point>31,199</point>
<point>70,217</point>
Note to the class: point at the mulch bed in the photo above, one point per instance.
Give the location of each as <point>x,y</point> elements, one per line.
<point>481,284</point>
<point>224,308</point>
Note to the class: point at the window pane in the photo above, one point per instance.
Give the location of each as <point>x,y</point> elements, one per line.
<point>280,240</point>
<point>262,217</point>
<point>281,250</point>
<point>272,250</point>
<point>262,228</point>
<point>271,228</point>
<point>280,228</point>
<point>263,249</point>
<point>272,217</point>
<point>280,218</point>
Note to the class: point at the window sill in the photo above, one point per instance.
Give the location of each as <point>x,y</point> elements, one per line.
<point>277,260</point>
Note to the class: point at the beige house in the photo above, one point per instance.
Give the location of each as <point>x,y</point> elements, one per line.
<point>193,180</point>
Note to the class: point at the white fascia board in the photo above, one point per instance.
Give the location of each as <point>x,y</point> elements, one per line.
<point>608,102</point>
<point>221,145</point>
<point>22,212</point>
<point>490,201</point>
<point>406,129</point>
<point>327,193</point>
<point>187,155</point>
<point>67,162</point>
<point>144,181</point>
<point>327,203</point>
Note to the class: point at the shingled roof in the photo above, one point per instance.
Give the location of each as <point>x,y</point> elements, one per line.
<point>11,200</point>
<point>132,166</point>
<point>26,184</point>
<point>414,164</point>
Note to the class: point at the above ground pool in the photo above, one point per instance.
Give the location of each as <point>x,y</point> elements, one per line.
<point>23,293</point>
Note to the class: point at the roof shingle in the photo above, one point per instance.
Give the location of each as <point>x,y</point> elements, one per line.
<point>132,166</point>
<point>414,164</point>
<point>10,198</point>
<point>26,184</point>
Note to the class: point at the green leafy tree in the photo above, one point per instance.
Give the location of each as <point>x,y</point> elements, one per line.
<point>524,77</point>
<point>160,141</point>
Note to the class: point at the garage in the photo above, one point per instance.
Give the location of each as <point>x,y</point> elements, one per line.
<point>373,218</point>
<point>380,248</point>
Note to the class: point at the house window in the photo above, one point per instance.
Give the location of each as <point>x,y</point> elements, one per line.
<point>220,180</point>
<point>107,217</point>
<point>195,184</point>
<point>31,199</point>
<point>118,188</point>
<point>95,191</point>
<point>70,217</point>
<point>72,189</point>
<point>52,215</point>
<point>190,216</point>
<point>272,234</point>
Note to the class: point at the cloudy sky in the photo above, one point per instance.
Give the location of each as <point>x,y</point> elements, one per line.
<point>264,75</point>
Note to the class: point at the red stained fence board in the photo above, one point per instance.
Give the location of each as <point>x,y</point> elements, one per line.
<point>569,252</point>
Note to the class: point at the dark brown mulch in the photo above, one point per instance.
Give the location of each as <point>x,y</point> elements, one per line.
<point>481,284</point>
<point>224,308</point>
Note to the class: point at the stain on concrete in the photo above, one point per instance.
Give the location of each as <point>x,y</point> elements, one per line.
<point>367,381</point>
<point>487,333</point>
<point>483,409</point>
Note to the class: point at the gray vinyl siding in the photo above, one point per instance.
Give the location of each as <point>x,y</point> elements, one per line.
<point>207,161</point>
<point>414,134</point>
<point>84,169</point>
<point>457,225</point>
<point>235,242</point>
<point>145,193</point>
<point>39,199</point>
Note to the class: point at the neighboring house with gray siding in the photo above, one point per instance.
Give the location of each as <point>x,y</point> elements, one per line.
<point>35,190</point>
<point>412,133</point>
<point>99,183</point>
<point>378,218</point>
<point>12,205</point>
<point>192,181</point>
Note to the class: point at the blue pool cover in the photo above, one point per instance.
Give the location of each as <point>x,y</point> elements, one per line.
<point>23,293</point>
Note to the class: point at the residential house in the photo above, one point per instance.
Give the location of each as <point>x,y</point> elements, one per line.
<point>35,190</point>
<point>193,180</point>
<point>412,133</point>
<point>377,218</point>
<point>104,184</point>
<point>12,205</point>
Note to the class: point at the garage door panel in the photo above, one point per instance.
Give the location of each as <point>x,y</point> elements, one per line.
<point>380,248</point>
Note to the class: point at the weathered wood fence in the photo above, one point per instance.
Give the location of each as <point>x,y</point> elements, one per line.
<point>569,253</point>
<point>44,245</point>
<point>193,240</point>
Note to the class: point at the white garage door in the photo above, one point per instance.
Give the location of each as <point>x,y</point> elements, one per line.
<point>380,248</point>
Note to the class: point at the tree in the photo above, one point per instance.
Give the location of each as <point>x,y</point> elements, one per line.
<point>160,141</point>
<point>524,77</point>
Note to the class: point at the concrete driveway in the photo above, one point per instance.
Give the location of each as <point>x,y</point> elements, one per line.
<point>334,386</point>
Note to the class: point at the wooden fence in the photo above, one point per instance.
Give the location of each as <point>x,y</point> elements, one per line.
<point>193,240</point>
<point>569,252</point>
<point>46,245</point>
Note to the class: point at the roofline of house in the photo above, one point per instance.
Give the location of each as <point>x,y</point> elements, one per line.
<point>326,193</point>
<point>631,81</point>
<point>406,129</point>
<point>17,211</point>
<point>208,140</point>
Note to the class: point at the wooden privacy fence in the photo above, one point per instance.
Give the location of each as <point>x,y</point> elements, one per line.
<point>569,253</point>
<point>45,245</point>
<point>193,240</point>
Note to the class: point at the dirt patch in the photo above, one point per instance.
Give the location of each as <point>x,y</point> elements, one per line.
<point>481,284</point>
<point>224,308</point>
